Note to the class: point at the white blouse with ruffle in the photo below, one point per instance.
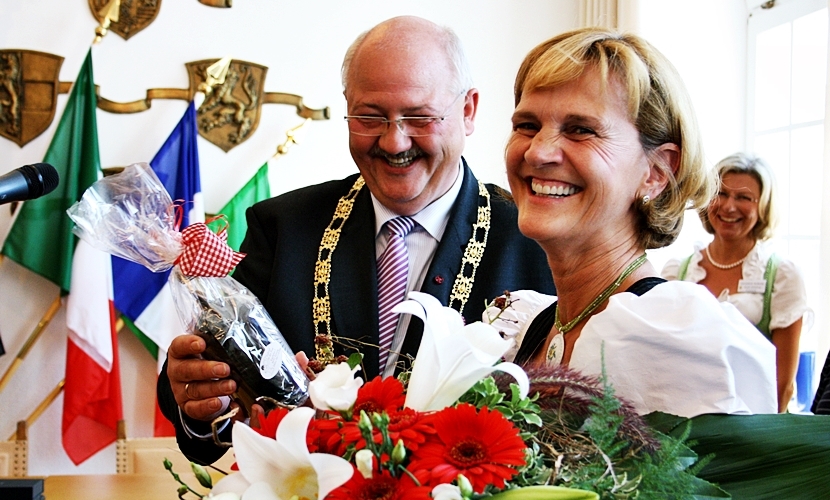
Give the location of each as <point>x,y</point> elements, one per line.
<point>789,296</point>
<point>674,349</point>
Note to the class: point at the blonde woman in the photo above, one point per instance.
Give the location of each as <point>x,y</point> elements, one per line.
<point>739,268</point>
<point>603,158</point>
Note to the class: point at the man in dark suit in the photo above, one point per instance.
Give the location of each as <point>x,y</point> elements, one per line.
<point>312,254</point>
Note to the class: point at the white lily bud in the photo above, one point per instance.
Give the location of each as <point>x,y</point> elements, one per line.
<point>363,460</point>
<point>446,492</point>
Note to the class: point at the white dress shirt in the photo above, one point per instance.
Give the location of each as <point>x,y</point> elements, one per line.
<point>421,243</point>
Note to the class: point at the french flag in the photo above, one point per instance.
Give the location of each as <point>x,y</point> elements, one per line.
<point>144,296</point>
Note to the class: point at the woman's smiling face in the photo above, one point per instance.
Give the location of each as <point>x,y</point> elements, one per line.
<point>575,163</point>
<point>733,213</point>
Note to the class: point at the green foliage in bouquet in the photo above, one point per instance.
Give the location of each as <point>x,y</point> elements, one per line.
<point>581,436</point>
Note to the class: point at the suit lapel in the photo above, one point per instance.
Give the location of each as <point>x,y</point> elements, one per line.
<point>447,260</point>
<point>353,285</point>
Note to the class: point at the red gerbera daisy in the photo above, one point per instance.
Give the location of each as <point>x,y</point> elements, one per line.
<point>382,486</point>
<point>378,396</point>
<point>483,446</point>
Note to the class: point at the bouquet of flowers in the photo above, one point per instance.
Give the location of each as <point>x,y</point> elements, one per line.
<point>450,430</point>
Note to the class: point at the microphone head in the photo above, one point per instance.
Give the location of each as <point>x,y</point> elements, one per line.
<point>41,177</point>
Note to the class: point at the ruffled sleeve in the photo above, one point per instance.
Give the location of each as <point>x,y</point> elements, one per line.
<point>670,270</point>
<point>514,321</point>
<point>789,296</point>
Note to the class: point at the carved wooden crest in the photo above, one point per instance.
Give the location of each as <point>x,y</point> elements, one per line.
<point>28,93</point>
<point>230,113</point>
<point>133,15</point>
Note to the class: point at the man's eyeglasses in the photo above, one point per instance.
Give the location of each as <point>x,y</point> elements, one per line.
<point>411,126</point>
<point>740,198</point>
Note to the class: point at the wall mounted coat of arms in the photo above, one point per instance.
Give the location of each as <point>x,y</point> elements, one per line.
<point>227,117</point>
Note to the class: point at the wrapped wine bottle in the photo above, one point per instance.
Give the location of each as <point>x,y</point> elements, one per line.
<point>131,215</point>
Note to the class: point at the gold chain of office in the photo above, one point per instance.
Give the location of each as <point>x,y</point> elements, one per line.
<point>461,288</point>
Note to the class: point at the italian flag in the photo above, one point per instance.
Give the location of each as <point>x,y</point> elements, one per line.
<point>41,240</point>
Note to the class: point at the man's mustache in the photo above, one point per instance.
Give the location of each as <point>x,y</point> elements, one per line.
<point>411,153</point>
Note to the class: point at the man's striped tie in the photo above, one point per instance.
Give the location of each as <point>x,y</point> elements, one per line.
<point>393,268</point>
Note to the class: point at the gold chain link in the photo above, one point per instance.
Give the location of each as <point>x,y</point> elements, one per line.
<point>473,253</point>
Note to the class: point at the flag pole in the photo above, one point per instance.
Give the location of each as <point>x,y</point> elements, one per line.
<point>42,406</point>
<point>33,337</point>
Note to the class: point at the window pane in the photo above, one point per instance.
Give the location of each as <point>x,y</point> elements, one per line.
<point>805,255</point>
<point>775,150</point>
<point>805,180</point>
<point>809,47</point>
<point>772,78</point>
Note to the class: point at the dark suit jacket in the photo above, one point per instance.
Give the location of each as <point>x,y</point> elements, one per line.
<point>281,245</point>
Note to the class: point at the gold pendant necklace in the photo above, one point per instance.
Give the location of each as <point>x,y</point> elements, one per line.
<point>461,288</point>
<point>556,350</point>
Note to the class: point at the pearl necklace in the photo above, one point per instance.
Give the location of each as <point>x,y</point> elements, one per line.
<point>557,345</point>
<point>726,266</point>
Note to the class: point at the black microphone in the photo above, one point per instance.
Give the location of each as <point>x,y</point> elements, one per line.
<point>27,182</point>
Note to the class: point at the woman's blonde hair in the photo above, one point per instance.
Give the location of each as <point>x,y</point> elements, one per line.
<point>742,163</point>
<point>658,105</point>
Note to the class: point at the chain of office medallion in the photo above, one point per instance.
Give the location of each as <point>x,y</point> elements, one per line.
<point>462,286</point>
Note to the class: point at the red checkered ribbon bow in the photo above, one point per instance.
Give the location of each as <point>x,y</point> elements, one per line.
<point>206,253</point>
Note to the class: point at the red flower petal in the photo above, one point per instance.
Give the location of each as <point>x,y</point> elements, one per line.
<point>482,445</point>
<point>381,486</point>
<point>378,396</point>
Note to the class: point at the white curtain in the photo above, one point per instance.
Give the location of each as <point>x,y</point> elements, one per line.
<point>622,15</point>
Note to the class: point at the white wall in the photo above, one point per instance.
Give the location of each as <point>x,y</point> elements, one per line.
<point>302,43</point>
<point>706,41</point>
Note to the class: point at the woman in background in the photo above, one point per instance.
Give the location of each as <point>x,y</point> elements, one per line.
<point>604,157</point>
<point>738,268</point>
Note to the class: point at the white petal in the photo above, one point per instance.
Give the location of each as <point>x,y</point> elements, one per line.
<point>292,432</point>
<point>488,345</point>
<point>260,491</point>
<point>518,373</point>
<point>336,383</point>
<point>232,483</point>
<point>228,495</point>
<point>332,472</point>
<point>260,458</point>
<point>410,307</point>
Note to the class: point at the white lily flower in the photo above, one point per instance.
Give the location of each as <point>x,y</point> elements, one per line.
<point>335,388</point>
<point>446,492</point>
<point>452,357</point>
<point>283,468</point>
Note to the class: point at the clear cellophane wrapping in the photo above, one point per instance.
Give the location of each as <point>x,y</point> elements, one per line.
<point>131,215</point>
